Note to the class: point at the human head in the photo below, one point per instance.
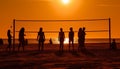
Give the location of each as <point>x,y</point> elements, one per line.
<point>61,29</point>
<point>71,29</point>
<point>80,29</point>
<point>8,31</point>
<point>22,29</point>
<point>41,28</point>
<point>83,28</point>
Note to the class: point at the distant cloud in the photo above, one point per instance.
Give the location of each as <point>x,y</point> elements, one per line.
<point>41,0</point>
<point>107,5</point>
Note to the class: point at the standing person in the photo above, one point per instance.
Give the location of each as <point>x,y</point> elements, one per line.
<point>61,38</point>
<point>9,40</point>
<point>71,38</point>
<point>113,45</point>
<point>21,38</point>
<point>41,39</point>
<point>80,39</point>
<point>50,41</point>
<point>83,37</point>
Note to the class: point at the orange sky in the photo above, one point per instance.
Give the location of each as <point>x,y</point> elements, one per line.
<point>54,9</point>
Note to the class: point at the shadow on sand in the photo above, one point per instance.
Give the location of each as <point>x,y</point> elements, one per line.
<point>59,53</point>
<point>7,54</point>
<point>85,66</point>
<point>21,65</point>
<point>87,53</point>
<point>75,53</point>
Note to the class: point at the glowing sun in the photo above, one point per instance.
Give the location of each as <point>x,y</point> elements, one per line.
<point>65,1</point>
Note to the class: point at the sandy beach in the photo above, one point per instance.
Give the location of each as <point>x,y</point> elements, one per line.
<point>96,56</point>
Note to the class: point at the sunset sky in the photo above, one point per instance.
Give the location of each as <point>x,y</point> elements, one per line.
<point>56,9</point>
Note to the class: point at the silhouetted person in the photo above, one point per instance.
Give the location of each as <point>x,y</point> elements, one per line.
<point>21,38</point>
<point>80,40</point>
<point>9,40</point>
<point>113,45</point>
<point>26,42</point>
<point>1,41</point>
<point>41,39</point>
<point>83,37</point>
<point>71,38</point>
<point>50,41</point>
<point>61,38</point>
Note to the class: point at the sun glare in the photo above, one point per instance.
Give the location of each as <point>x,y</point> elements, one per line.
<point>65,1</point>
<point>66,40</point>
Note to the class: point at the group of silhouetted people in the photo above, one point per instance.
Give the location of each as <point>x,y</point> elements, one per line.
<point>61,38</point>
<point>81,39</point>
<point>21,39</point>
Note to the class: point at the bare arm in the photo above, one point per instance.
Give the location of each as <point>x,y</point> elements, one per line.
<point>38,37</point>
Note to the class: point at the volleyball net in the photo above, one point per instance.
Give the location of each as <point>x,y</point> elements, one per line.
<point>95,28</point>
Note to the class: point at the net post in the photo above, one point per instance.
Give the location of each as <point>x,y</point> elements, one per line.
<point>109,31</point>
<point>13,34</point>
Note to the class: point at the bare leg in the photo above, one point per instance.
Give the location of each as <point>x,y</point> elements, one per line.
<point>42,48</point>
<point>19,46</point>
<point>69,45</point>
<point>73,45</point>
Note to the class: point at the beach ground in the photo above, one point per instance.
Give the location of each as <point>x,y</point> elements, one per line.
<point>95,56</point>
